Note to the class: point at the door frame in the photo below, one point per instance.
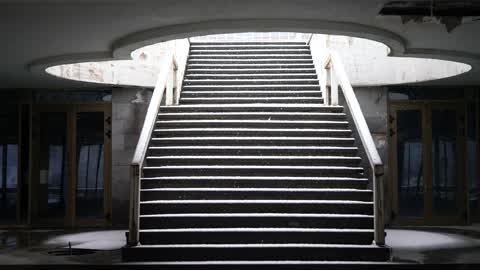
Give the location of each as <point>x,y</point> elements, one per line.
<point>70,219</point>
<point>425,107</point>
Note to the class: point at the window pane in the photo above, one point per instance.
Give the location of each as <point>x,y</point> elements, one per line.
<point>472,161</point>
<point>410,163</point>
<point>90,183</point>
<point>444,159</point>
<point>8,165</point>
<point>53,170</point>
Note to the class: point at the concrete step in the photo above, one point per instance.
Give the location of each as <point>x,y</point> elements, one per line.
<point>245,71</point>
<point>255,254</point>
<point>250,100</point>
<point>254,194</point>
<point>259,132</point>
<point>255,87</point>
<point>252,76</point>
<point>250,61</point>
<point>262,94</point>
<point>255,236</point>
<point>155,161</point>
<point>286,67</point>
<point>245,51</point>
<point>253,182</point>
<point>225,150</point>
<point>251,115</point>
<point>250,56</point>
<point>255,206</point>
<point>256,220</point>
<point>277,108</point>
<point>273,124</point>
<point>232,82</point>
<point>236,140</point>
<point>254,170</point>
<point>248,46</point>
<point>246,43</point>
<point>275,264</point>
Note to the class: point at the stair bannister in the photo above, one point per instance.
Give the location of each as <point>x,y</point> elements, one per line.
<point>334,74</point>
<point>167,80</point>
<point>334,67</point>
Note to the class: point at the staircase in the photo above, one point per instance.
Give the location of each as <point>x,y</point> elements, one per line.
<point>252,167</point>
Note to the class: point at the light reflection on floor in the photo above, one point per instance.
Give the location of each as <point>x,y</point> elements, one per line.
<point>33,246</point>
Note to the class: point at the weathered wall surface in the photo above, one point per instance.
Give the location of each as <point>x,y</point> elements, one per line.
<point>373,102</point>
<point>141,71</point>
<point>129,107</point>
<point>367,63</point>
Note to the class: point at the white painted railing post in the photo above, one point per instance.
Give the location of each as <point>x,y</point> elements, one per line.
<point>164,85</point>
<point>333,87</point>
<point>323,84</point>
<point>378,196</point>
<point>169,89</point>
<point>326,76</point>
<point>336,75</point>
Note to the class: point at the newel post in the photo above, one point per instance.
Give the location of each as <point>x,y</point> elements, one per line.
<point>333,86</point>
<point>170,86</point>
<point>326,77</point>
<point>379,225</point>
<point>133,236</point>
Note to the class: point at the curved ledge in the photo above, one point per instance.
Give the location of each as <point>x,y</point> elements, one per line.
<point>123,47</point>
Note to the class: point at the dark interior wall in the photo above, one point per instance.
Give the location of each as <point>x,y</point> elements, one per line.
<point>129,106</point>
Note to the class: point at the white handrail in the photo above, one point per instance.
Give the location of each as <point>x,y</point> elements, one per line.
<point>331,71</point>
<point>168,80</point>
<point>336,71</point>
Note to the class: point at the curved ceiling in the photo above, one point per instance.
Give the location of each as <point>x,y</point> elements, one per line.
<point>38,33</point>
<point>366,62</point>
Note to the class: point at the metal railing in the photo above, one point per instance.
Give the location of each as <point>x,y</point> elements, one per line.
<point>169,82</point>
<point>332,72</point>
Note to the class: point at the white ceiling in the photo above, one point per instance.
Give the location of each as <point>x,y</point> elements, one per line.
<point>36,33</point>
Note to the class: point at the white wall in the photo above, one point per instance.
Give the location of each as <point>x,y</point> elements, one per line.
<point>367,63</point>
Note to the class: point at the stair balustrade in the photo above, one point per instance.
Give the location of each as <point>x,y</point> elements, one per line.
<point>169,83</point>
<point>331,72</point>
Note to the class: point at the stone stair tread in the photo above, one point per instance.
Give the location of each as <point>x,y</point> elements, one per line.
<point>255,202</point>
<point>249,86</point>
<point>265,105</point>
<point>271,215</point>
<point>264,70</point>
<point>272,178</point>
<point>263,189</point>
<point>250,92</point>
<point>250,121</point>
<point>250,113</point>
<point>252,157</point>
<point>256,65</point>
<point>333,230</point>
<point>251,147</point>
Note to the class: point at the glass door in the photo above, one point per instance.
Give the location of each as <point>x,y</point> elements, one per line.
<point>51,166</point>
<point>9,184</point>
<point>447,179</point>
<point>70,170</point>
<point>92,165</point>
<point>426,156</point>
<point>407,159</point>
